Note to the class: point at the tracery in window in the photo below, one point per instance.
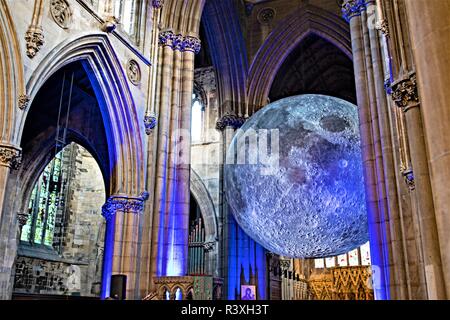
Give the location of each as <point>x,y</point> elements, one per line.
<point>64,235</point>
<point>47,199</point>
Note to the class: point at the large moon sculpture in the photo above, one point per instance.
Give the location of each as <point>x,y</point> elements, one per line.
<point>309,202</point>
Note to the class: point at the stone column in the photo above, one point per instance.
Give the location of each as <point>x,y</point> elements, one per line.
<point>226,137</point>
<point>151,127</point>
<point>122,244</point>
<point>378,161</point>
<point>430,34</point>
<point>172,191</point>
<point>165,74</point>
<point>233,238</point>
<point>191,46</point>
<point>406,97</point>
<point>10,159</point>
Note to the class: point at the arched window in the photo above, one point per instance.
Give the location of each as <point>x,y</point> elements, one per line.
<point>190,294</point>
<point>47,201</point>
<point>64,236</point>
<point>71,186</point>
<point>354,258</point>
<point>197,118</point>
<point>129,13</point>
<point>365,254</point>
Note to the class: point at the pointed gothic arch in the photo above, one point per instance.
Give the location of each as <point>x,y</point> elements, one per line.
<point>12,84</point>
<point>121,119</point>
<point>206,204</point>
<point>284,39</point>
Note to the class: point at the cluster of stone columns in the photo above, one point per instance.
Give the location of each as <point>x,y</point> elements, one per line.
<point>122,253</point>
<point>430,33</point>
<point>406,243</point>
<point>241,256</point>
<point>378,157</point>
<point>411,160</point>
<point>171,149</point>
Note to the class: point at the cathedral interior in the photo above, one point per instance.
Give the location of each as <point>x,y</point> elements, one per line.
<point>224,149</point>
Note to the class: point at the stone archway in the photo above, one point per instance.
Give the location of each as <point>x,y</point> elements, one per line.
<point>125,147</point>
<point>71,229</point>
<point>284,39</point>
<point>125,133</point>
<point>211,223</point>
<point>125,138</point>
<point>206,204</point>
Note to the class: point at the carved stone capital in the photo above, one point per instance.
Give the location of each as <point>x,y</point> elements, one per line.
<point>179,42</point>
<point>34,38</point>
<point>230,120</point>
<point>405,93</point>
<point>166,38</point>
<point>408,175</point>
<point>383,26</point>
<point>125,204</point>
<point>157,4</point>
<point>192,44</point>
<point>10,156</point>
<point>22,218</point>
<point>352,8</point>
<point>150,122</point>
<point>24,101</point>
<point>388,86</point>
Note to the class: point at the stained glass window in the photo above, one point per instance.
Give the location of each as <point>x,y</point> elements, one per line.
<point>353,258</point>
<point>365,254</point>
<point>343,260</point>
<point>45,201</point>
<point>330,262</point>
<point>357,257</point>
<point>319,263</point>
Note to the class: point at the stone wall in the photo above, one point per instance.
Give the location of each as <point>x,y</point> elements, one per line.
<point>205,154</point>
<point>37,276</point>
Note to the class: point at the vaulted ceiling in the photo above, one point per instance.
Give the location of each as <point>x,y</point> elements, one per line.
<point>315,66</point>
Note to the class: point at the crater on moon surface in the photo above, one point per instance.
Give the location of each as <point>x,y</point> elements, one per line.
<point>312,204</point>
